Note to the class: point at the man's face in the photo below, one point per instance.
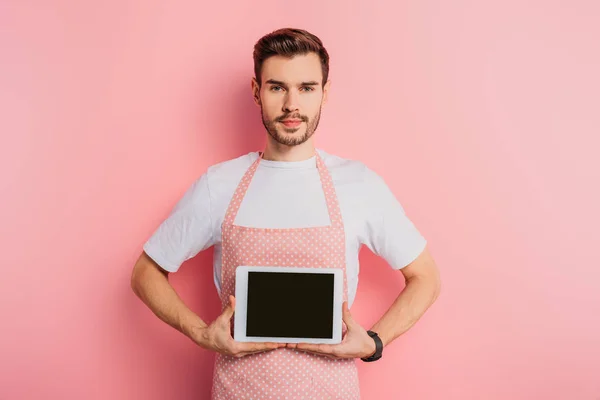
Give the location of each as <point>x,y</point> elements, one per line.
<point>291,97</point>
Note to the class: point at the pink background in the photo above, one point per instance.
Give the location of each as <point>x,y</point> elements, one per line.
<point>483,117</point>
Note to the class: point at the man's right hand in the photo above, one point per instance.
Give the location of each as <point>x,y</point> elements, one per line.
<point>217,337</point>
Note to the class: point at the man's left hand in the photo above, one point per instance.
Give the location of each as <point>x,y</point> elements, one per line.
<point>356,343</point>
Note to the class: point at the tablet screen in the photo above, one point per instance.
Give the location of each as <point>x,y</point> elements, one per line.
<point>290,305</point>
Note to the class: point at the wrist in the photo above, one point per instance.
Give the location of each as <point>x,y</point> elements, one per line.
<point>371,348</point>
<point>194,329</point>
<point>377,353</point>
<point>383,334</point>
<point>201,335</point>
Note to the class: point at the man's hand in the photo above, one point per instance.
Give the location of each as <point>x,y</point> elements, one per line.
<point>217,337</point>
<point>356,344</point>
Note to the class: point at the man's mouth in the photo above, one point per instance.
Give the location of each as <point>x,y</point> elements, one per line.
<point>291,123</point>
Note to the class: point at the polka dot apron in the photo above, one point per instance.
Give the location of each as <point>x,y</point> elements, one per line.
<point>283,373</point>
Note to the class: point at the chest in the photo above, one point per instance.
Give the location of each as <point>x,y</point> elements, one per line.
<point>289,200</point>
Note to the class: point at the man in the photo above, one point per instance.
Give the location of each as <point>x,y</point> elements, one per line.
<point>291,193</point>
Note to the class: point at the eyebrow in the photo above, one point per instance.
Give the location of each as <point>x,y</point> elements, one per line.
<point>280,83</point>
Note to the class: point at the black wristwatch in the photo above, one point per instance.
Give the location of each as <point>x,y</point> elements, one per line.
<point>378,348</point>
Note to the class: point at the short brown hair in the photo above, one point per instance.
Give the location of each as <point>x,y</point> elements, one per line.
<point>289,42</point>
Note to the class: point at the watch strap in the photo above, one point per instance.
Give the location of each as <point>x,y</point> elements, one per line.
<point>378,347</point>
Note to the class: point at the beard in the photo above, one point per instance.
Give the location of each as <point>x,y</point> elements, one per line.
<point>284,135</point>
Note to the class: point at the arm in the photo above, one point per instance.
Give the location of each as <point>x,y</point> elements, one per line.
<point>151,284</point>
<point>390,234</point>
<point>422,289</point>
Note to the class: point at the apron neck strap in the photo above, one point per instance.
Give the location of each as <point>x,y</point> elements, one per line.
<point>326,182</point>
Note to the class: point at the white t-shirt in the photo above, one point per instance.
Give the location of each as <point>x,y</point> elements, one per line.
<point>288,195</point>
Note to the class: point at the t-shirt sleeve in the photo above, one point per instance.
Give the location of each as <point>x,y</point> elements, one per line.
<point>389,232</point>
<point>186,231</point>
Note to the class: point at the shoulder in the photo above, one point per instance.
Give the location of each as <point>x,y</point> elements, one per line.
<point>220,177</point>
<point>232,169</point>
<point>346,170</point>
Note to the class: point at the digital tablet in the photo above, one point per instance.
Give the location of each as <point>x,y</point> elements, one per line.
<point>288,304</point>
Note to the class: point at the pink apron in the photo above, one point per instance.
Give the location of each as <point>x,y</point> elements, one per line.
<point>283,373</point>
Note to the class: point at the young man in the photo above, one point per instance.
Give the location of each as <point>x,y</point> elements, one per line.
<point>295,194</point>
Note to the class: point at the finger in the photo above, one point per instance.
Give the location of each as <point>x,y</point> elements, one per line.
<point>316,348</point>
<point>246,347</point>
<point>260,347</point>
<point>318,353</point>
<point>247,353</point>
<point>267,346</point>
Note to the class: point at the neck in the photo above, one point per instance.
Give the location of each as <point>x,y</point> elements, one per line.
<point>276,151</point>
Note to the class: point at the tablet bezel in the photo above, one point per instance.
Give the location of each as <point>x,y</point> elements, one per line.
<point>241,303</point>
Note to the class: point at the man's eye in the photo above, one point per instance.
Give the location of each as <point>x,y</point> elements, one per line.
<point>274,88</point>
<point>308,88</point>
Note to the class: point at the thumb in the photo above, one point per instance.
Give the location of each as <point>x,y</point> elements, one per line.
<point>346,316</point>
<point>229,310</point>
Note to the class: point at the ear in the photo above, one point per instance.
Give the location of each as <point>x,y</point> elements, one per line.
<point>326,92</point>
<point>255,91</point>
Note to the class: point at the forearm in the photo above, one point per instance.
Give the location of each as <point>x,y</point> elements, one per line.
<point>154,289</point>
<point>418,295</point>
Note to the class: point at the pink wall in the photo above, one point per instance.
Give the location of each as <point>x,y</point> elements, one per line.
<point>482,116</point>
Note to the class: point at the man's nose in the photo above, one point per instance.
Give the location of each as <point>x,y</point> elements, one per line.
<point>291,102</point>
